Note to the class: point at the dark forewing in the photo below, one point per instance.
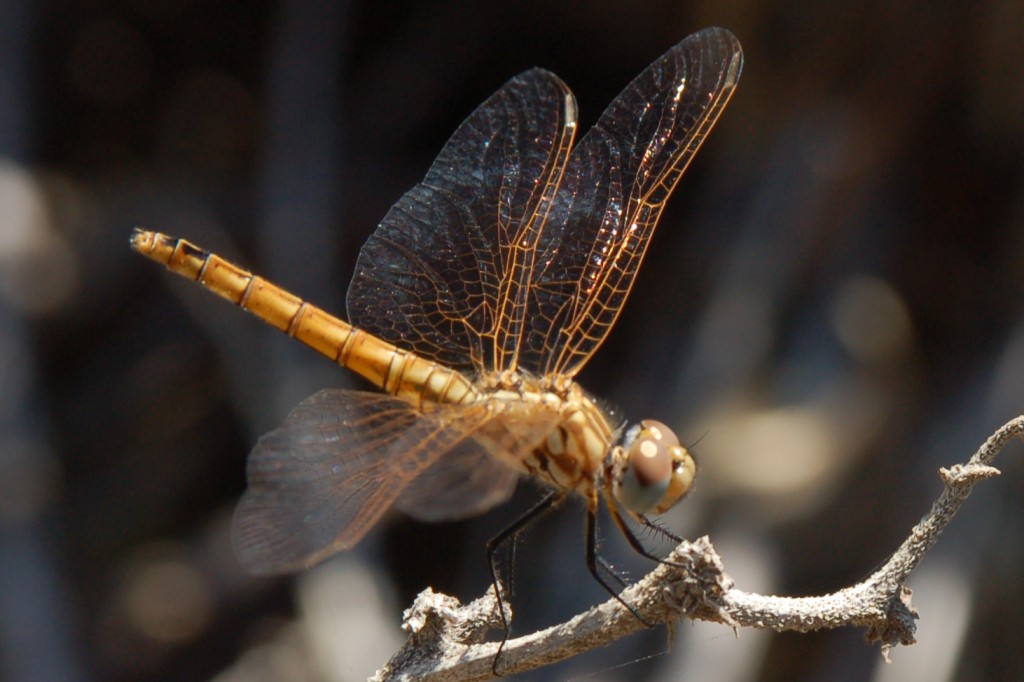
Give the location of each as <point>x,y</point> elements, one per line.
<point>445,273</point>
<point>616,183</point>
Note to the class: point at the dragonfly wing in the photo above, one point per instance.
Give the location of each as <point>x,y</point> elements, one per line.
<point>616,184</point>
<point>465,482</point>
<point>445,273</point>
<point>479,473</point>
<point>320,481</point>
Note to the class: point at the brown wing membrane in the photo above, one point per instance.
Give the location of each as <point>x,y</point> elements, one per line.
<point>446,271</point>
<point>465,482</point>
<point>615,186</point>
<point>321,480</point>
<point>342,458</point>
<point>480,473</point>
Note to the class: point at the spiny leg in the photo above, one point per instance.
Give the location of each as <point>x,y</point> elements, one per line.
<point>630,536</point>
<point>659,529</point>
<point>549,502</point>
<point>634,541</point>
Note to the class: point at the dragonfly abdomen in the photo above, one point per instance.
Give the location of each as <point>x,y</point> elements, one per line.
<point>397,371</point>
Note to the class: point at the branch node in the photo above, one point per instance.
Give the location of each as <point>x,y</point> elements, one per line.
<point>435,617</point>
<point>699,587</point>
<point>899,626</point>
<point>441,629</point>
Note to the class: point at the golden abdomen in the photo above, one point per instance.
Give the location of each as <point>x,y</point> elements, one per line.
<point>395,370</point>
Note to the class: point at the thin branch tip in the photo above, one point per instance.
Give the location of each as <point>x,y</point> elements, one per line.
<point>967,474</point>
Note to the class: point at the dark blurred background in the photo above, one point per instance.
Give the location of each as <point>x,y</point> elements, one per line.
<point>833,307</point>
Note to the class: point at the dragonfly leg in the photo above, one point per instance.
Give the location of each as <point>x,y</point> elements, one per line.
<point>659,529</point>
<point>610,570</point>
<point>634,541</point>
<point>593,560</point>
<point>630,536</point>
<point>549,502</point>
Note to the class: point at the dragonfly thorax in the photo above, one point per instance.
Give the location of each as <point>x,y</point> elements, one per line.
<point>648,472</point>
<point>580,433</point>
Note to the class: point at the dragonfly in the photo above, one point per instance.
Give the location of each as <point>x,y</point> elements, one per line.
<point>474,305</point>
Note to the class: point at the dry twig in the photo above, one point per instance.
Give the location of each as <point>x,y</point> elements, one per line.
<point>446,639</point>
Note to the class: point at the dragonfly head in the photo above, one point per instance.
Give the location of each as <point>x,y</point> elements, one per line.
<point>653,470</point>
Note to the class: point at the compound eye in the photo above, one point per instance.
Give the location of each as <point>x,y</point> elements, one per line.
<point>684,471</point>
<point>647,478</point>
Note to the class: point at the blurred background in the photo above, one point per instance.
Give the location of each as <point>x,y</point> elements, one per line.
<point>832,309</point>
